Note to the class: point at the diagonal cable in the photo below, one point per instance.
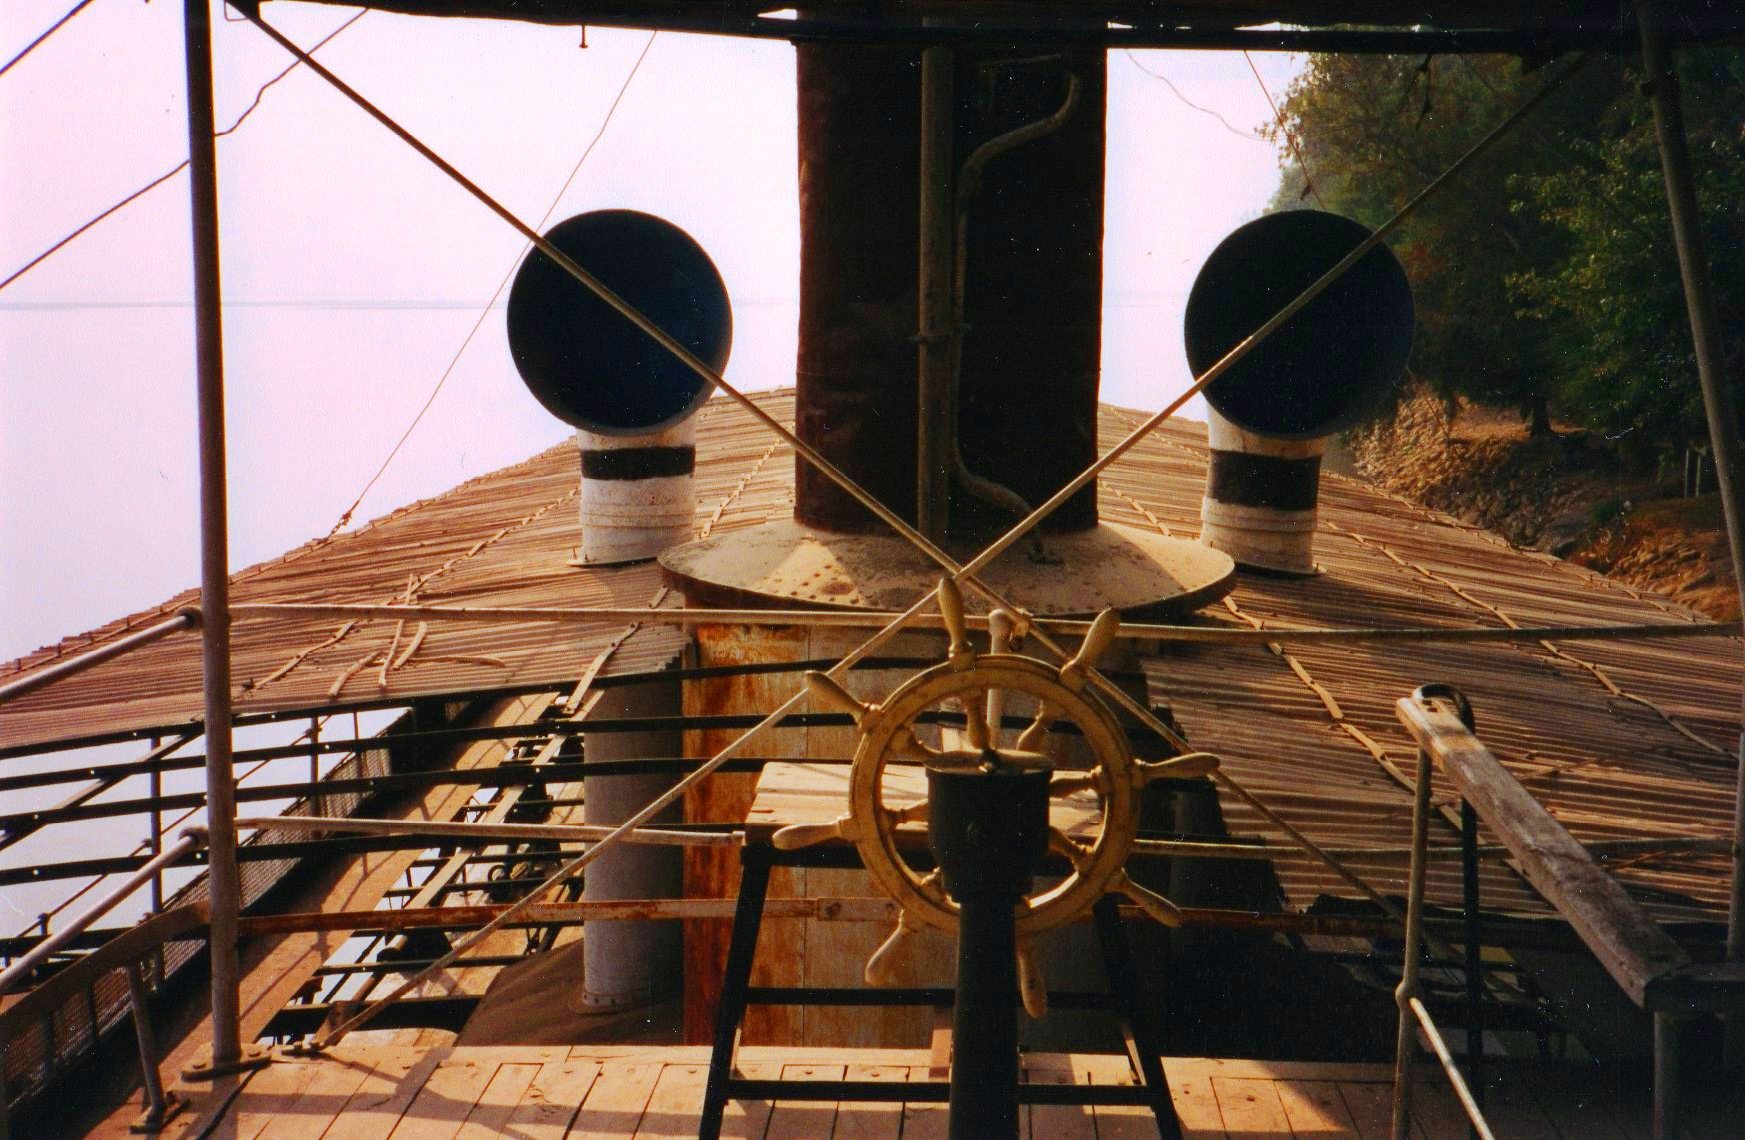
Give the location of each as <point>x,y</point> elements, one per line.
<point>178,168</point>
<point>501,285</point>
<point>38,41</point>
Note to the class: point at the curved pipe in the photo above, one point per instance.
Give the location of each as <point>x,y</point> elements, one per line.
<point>969,184</point>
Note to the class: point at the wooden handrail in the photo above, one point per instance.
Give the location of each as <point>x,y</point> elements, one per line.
<point>1648,965</point>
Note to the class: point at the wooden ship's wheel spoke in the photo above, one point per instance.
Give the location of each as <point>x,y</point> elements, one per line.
<point>1093,837</point>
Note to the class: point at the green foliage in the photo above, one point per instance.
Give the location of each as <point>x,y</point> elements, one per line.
<point>1544,276</point>
<point>1614,303</point>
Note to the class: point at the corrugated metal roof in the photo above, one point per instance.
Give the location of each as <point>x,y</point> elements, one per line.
<point>1619,739</point>
<point>502,539</point>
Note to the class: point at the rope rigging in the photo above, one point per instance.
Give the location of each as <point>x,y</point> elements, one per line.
<point>173,171</point>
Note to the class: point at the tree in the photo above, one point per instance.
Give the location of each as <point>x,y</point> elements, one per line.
<point>1374,130</point>
<point>1613,304</point>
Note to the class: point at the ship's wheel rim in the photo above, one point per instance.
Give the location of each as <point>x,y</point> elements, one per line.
<point>1093,874</point>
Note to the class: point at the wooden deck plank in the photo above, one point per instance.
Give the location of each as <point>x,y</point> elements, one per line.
<point>269,1093</point>
<point>871,1120</point>
<point>448,1096</point>
<point>804,1119</point>
<point>552,1100</point>
<point>381,1099</point>
<point>656,1091</point>
<point>1116,1121</point>
<point>490,1116</point>
<point>208,1112</point>
<point>1315,1108</point>
<point>1196,1105</point>
<point>308,1117</point>
<point>1251,1108</point>
<point>924,1121</point>
<point>1435,1109</point>
<point>1512,1110</point>
<point>1058,1121</point>
<point>749,1119</point>
<point>675,1104</point>
<point>1371,1105</point>
<point>615,1103</point>
<point>1577,1107</point>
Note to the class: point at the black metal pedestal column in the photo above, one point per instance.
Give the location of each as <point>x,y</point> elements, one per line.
<point>989,831</point>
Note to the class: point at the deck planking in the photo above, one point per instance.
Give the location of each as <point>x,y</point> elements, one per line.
<point>655,1093</point>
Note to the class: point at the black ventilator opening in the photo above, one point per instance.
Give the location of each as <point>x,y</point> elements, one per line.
<point>586,362</point>
<point>1332,363</point>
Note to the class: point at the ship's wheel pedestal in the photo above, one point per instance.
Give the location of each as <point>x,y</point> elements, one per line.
<point>988,831</point>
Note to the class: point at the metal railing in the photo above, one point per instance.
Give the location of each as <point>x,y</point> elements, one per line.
<point>1414,1015</point>
<point>125,953</point>
<point>1653,970</point>
<point>11,978</point>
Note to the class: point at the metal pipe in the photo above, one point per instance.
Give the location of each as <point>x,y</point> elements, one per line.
<point>750,23</point>
<point>630,963</point>
<point>1474,963</point>
<point>222,883</point>
<point>1600,849</point>
<point>157,1104</point>
<point>188,618</point>
<point>1666,1065</point>
<point>1405,1039</point>
<point>519,831</point>
<point>870,910</point>
<point>1474,1113</point>
<point>191,840</point>
<point>1705,328</point>
<point>1064,627</point>
<point>969,181</point>
<point>936,430</point>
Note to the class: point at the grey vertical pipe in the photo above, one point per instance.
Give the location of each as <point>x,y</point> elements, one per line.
<point>221,876</point>
<point>624,962</point>
<point>1666,1065</point>
<point>156,1103</point>
<point>1699,300</point>
<point>1406,1039</point>
<point>934,410</point>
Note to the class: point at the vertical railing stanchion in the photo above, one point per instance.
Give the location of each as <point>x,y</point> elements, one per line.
<point>159,1105</point>
<point>1474,952</point>
<point>223,884</point>
<point>1719,406</point>
<point>1406,1042</point>
<point>157,824</point>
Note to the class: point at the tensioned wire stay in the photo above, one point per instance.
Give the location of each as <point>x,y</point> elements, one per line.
<point>965,573</point>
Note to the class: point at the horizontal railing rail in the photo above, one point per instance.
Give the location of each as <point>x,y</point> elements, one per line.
<point>16,974</point>
<point>184,620</point>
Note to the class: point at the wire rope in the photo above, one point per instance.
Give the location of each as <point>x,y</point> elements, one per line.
<point>175,170</point>
<point>1177,92</point>
<point>957,573</point>
<point>38,41</point>
<point>346,516</point>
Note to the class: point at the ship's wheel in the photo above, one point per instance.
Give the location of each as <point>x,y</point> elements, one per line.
<point>1100,799</point>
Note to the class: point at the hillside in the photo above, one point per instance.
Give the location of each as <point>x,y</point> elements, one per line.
<point>1561,493</point>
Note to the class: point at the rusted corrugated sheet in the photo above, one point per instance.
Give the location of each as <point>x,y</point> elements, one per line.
<point>1619,740</point>
<point>503,539</point>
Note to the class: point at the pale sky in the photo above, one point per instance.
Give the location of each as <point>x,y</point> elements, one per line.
<point>353,270</point>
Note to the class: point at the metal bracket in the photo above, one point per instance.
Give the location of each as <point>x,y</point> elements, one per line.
<point>251,1057</point>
